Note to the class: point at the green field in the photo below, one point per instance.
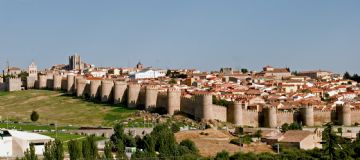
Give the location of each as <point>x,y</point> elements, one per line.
<point>56,107</point>
<point>32,127</point>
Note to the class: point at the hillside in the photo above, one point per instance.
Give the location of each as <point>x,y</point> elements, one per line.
<point>56,107</point>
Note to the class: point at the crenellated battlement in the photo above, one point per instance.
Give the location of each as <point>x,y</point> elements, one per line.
<point>134,85</point>
<point>152,87</point>
<point>192,99</point>
<point>324,111</point>
<point>251,111</point>
<point>203,94</point>
<point>120,83</point>
<point>173,89</point>
<point>107,82</point>
<point>285,112</point>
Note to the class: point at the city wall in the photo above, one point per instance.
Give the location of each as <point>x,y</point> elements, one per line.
<point>199,107</point>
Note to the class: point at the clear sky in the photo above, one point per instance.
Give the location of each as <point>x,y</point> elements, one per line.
<point>203,34</point>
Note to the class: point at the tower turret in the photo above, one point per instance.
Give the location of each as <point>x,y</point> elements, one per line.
<point>42,81</point>
<point>106,90</point>
<point>80,87</point>
<point>307,114</point>
<point>94,88</point>
<point>57,82</point>
<point>133,94</point>
<point>270,114</point>
<point>173,103</point>
<point>204,109</point>
<point>70,84</point>
<point>119,91</point>
<point>235,113</point>
<point>151,96</point>
<point>344,114</point>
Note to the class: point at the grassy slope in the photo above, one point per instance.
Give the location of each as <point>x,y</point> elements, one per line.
<point>54,107</point>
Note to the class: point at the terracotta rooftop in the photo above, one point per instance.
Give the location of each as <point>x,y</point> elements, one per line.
<point>295,136</point>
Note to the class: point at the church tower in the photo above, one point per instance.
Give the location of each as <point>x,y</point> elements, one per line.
<point>32,70</point>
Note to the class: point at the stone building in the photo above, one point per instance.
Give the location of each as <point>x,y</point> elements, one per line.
<point>75,62</point>
<point>32,70</point>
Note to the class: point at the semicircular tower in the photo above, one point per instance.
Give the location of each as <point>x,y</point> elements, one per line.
<point>133,94</point>
<point>173,101</point>
<point>106,90</point>
<point>151,93</point>
<point>119,91</point>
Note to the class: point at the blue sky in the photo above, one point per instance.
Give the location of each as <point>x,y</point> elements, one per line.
<point>204,34</point>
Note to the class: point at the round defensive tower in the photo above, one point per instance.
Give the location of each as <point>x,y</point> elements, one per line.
<point>119,91</point>
<point>344,114</point>
<point>204,110</point>
<point>80,89</point>
<point>133,94</point>
<point>151,93</point>
<point>173,101</point>
<point>270,116</point>
<point>106,89</point>
<point>307,114</point>
<point>235,112</point>
<point>57,81</point>
<point>70,83</point>
<point>94,88</point>
<point>42,81</point>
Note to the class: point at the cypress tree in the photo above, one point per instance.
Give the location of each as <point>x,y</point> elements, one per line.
<point>75,150</point>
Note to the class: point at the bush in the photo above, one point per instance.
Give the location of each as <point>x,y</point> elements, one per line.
<point>190,145</point>
<point>224,155</point>
<point>34,116</point>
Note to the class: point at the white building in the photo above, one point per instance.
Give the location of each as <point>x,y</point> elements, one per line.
<point>98,74</point>
<point>5,144</point>
<point>148,73</point>
<point>14,143</point>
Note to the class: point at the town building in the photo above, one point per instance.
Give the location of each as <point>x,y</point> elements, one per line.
<point>14,143</point>
<point>75,62</point>
<point>147,74</point>
<point>32,70</point>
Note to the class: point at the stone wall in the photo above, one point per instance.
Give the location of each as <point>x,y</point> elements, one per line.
<point>220,113</point>
<point>199,106</point>
<point>13,84</point>
<point>321,117</point>
<point>251,118</point>
<point>285,117</point>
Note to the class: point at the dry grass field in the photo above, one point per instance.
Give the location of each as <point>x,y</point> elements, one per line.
<point>210,142</point>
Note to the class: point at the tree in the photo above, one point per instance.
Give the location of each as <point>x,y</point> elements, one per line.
<point>168,73</point>
<point>244,70</point>
<point>34,116</point>
<point>164,139</point>
<point>89,148</point>
<point>30,153</point>
<point>108,150</point>
<point>330,141</point>
<point>118,135</point>
<point>75,150</point>
<point>149,144</point>
<point>295,126</point>
<point>347,75</point>
<point>175,127</point>
<point>23,75</point>
<point>284,127</point>
<point>172,81</point>
<point>120,150</point>
<point>54,150</point>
